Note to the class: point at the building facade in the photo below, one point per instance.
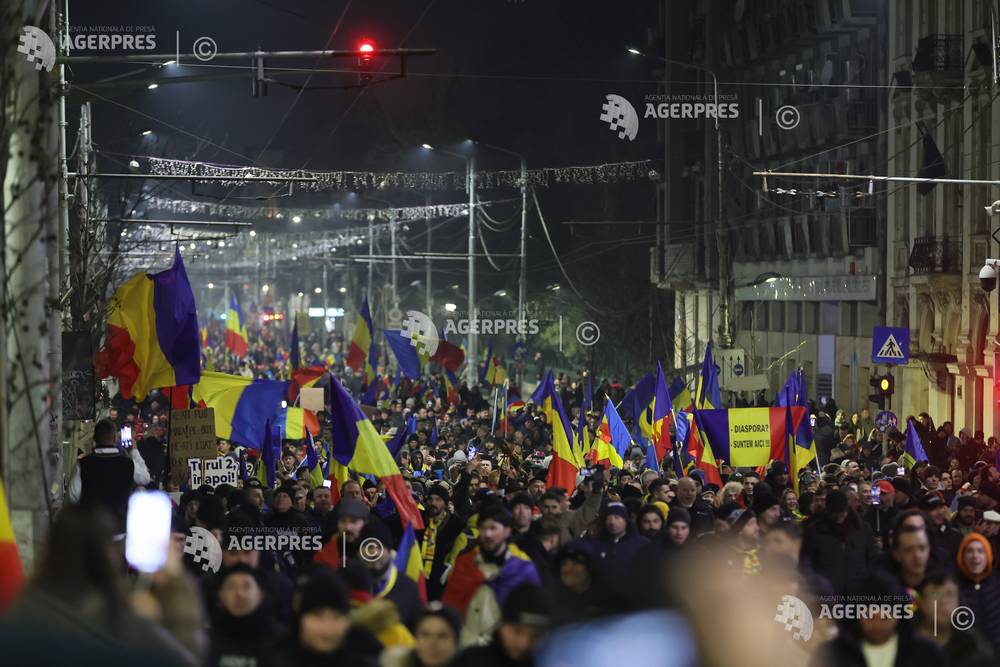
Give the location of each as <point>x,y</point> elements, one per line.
<point>939,238</point>
<point>807,271</point>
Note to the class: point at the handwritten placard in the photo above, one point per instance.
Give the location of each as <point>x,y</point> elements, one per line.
<point>220,470</point>
<point>192,436</point>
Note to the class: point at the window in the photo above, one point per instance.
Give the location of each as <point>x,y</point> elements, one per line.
<point>829,317</point>
<point>810,317</point>
<point>777,316</point>
<point>795,316</point>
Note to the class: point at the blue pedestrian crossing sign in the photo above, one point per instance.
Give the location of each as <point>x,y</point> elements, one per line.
<point>890,345</point>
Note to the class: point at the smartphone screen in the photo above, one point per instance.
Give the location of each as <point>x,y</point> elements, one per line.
<point>126,436</point>
<point>147,530</point>
<point>876,494</point>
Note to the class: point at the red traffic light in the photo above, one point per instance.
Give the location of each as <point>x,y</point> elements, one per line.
<point>366,49</point>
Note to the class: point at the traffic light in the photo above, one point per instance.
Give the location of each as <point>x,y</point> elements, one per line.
<point>883,385</point>
<point>366,53</point>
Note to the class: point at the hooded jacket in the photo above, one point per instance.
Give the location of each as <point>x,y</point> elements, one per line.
<point>981,593</point>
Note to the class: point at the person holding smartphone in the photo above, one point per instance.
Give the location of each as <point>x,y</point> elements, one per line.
<point>106,476</point>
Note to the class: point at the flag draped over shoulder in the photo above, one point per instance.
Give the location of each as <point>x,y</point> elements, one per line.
<point>361,355</point>
<point>242,406</point>
<point>563,467</point>
<point>152,334</point>
<point>747,437</point>
<point>410,561</point>
<point>357,446</point>
<point>913,449</point>
<point>237,340</point>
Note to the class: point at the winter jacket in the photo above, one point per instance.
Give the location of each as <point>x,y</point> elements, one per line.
<point>478,586</point>
<point>984,601</point>
<point>242,639</point>
<point>360,648</point>
<point>841,562</point>
<point>845,651</point>
<point>448,531</point>
<point>702,516</point>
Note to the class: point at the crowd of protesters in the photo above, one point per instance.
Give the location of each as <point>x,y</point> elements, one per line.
<point>515,572</point>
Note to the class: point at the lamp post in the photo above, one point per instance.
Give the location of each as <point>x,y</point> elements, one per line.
<point>722,235</point>
<point>471,377</point>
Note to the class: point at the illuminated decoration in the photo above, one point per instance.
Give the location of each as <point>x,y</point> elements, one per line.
<point>385,214</point>
<point>613,172</point>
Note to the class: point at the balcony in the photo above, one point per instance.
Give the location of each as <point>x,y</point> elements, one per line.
<point>935,254</point>
<point>938,68</point>
<point>938,53</point>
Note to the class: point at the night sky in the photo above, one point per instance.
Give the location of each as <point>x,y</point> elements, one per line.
<point>530,76</point>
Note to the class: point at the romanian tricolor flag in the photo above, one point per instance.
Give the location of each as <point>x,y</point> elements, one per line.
<point>563,468</point>
<point>448,355</point>
<point>296,423</point>
<point>795,392</point>
<point>584,446</point>
<point>304,377</point>
<point>451,388</point>
<point>410,562</point>
<point>270,452</point>
<point>237,340</point>
<point>409,359</point>
<point>746,437</point>
<point>689,439</point>
<point>613,438</point>
<point>313,464</point>
<point>913,449</point>
<point>204,336</point>
<point>662,415</point>
<point>242,406</point>
<point>361,355</point>
<point>152,334</point>
<point>503,399</point>
<point>357,445</point>
<point>11,572</point>
<point>707,395</point>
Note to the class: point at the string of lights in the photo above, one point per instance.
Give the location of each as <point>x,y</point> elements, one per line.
<point>614,172</point>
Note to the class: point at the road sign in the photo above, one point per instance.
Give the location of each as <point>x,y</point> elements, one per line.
<point>738,369</point>
<point>886,420</point>
<point>890,345</point>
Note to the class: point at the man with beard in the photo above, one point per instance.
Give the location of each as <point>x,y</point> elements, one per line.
<point>352,515</point>
<point>442,538</point>
<point>965,518</point>
<point>486,573</point>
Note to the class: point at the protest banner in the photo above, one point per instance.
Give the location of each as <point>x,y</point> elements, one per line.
<point>192,436</point>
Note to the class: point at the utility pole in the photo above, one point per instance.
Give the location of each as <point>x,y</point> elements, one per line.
<point>371,262</point>
<point>395,252</point>
<point>471,367</point>
<point>429,298</point>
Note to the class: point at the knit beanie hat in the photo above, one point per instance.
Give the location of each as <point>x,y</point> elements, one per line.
<point>960,560</point>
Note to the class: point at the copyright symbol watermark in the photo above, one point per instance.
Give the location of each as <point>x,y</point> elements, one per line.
<point>787,117</point>
<point>371,549</point>
<point>962,618</point>
<point>588,333</point>
<point>205,49</point>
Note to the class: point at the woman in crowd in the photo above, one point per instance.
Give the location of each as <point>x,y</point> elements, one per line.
<point>435,634</point>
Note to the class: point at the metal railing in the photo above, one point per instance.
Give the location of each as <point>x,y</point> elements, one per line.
<point>936,254</point>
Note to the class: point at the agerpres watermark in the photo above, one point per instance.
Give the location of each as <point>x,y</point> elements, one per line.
<point>797,618</point>
<point>423,333</point>
<point>691,106</point>
<point>110,38</point>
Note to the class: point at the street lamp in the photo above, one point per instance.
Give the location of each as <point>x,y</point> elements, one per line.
<point>470,184</point>
<point>725,338</point>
